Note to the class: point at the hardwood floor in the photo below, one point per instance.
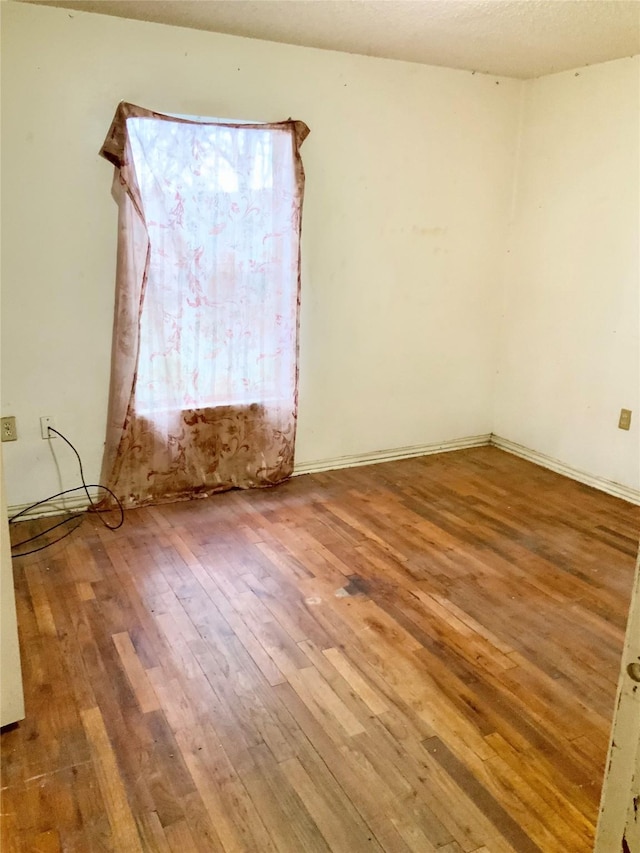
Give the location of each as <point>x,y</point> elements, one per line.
<point>414,656</point>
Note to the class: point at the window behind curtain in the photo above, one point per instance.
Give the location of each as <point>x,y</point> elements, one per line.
<point>219,317</point>
<point>204,369</point>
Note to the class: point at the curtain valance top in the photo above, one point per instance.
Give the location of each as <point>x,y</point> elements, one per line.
<point>114,145</point>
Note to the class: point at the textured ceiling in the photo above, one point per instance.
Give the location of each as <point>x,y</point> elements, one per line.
<point>527,38</point>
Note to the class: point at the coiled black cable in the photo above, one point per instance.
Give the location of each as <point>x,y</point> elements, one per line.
<point>73,517</point>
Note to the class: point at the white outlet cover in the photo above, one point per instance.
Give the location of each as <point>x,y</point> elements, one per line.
<point>47,421</point>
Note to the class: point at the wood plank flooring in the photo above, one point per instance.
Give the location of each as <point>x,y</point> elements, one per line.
<point>413,656</point>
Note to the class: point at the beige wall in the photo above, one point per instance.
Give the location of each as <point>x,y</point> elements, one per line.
<point>408,336</point>
<point>570,358</point>
<point>408,181</point>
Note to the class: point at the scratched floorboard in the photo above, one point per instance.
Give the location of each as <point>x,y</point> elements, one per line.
<point>414,656</point>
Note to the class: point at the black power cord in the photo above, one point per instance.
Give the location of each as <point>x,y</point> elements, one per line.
<point>74,517</point>
<point>44,533</point>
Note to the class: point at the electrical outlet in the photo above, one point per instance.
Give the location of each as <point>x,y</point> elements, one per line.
<point>47,421</point>
<point>9,432</point>
<point>625,419</point>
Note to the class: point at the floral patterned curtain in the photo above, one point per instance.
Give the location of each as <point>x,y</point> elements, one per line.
<point>204,363</point>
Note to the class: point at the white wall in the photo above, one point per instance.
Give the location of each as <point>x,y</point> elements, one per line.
<point>570,357</point>
<point>408,185</point>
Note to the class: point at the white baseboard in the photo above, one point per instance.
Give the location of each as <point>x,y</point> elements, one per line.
<point>601,483</point>
<point>357,459</point>
<point>58,506</point>
<point>77,503</point>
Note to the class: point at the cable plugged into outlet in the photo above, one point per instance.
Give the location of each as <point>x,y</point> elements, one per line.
<point>47,421</point>
<point>52,432</point>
